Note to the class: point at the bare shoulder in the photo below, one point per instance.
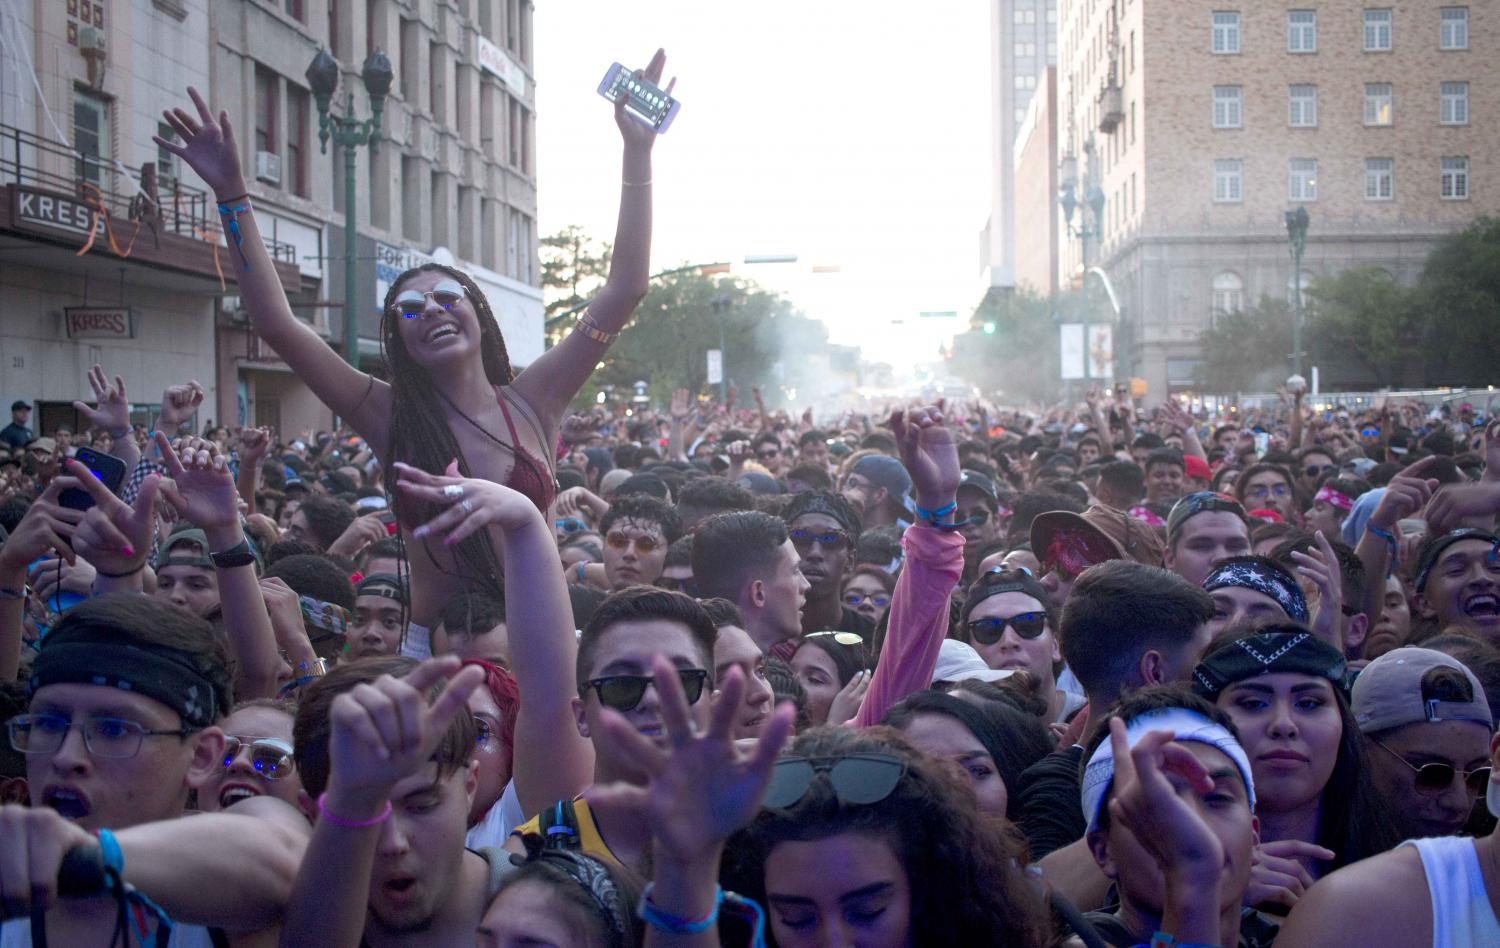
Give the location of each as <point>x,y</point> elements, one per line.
<point>1341,909</point>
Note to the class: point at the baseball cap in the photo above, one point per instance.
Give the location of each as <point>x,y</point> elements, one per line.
<point>980,482</point>
<point>885,471</point>
<point>1359,466</point>
<point>957,661</point>
<point>18,404</point>
<point>185,537</point>
<point>42,444</point>
<point>1196,468</point>
<point>1388,693</point>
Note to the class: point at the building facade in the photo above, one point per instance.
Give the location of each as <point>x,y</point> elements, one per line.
<point>1201,123</point>
<point>453,180</point>
<point>1034,218</point>
<point>1023,36</point>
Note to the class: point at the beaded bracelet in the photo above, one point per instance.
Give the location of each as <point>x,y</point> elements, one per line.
<point>384,815</point>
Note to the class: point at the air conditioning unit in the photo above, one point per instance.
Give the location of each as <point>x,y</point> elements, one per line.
<point>268,167</point>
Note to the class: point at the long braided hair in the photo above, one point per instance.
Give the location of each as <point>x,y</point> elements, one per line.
<point>420,435</point>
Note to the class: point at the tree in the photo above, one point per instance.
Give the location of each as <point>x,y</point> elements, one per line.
<point>1363,315</point>
<point>1458,299</point>
<point>574,267</point>
<point>1014,347</point>
<point>1248,350</point>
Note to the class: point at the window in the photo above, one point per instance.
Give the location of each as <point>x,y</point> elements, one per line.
<point>411,197</point>
<point>1025,17</point>
<point>1227,106</point>
<point>1025,50</point>
<point>1228,181</point>
<point>514,138</point>
<point>1453,28</point>
<point>265,109</point>
<point>1302,107</point>
<point>1025,83</point>
<point>298,118</point>
<point>1377,31</point>
<point>294,10</point>
<point>166,162</point>
<point>1302,179</point>
<point>518,247</point>
<point>1302,31</point>
<point>1226,33</point>
<point>411,59</point>
<point>1229,294</point>
<point>1454,108</point>
<point>1378,103</point>
<point>1455,179</point>
<point>1380,174</point>
<point>91,137</point>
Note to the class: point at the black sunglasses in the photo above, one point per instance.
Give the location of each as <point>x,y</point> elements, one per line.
<point>1028,625</point>
<point>829,540</point>
<point>1435,778</point>
<point>624,692</point>
<point>1318,470</point>
<point>856,779</point>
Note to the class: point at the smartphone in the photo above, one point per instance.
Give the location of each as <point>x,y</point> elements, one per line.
<point>1262,444</point>
<point>109,469</point>
<point>644,101</point>
<point>388,517</point>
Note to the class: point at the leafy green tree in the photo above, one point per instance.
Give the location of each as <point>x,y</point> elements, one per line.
<point>574,267</point>
<point>1363,316</point>
<point>1247,350</point>
<point>1013,347</point>
<point>1458,302</point>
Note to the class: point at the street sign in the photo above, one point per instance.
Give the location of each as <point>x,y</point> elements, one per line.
<point>1073,350</point>
<point>99,322</point>
<point>715,367</point>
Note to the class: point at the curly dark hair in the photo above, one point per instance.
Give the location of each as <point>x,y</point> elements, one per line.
<point>965,870</point>
<point>420,435</point>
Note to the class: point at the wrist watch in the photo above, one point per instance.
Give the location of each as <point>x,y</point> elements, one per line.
<point>237,555</point>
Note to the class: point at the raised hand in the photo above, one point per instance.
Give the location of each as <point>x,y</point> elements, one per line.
<point>47,526</point>
<point>360,533</point>
<point>253,443</point>
<point>1404,496</point>
<point>679,409</point>
<point>285,609</point>
<point>1454,504</point>
<point>930,454</point>
<point>1278,871</point>
<point>111,411</point>
<point>385,731</point>
<point>638,134</point>
<point>178,403</point>
<point>473,503</point>
<point>704,786</point>
<point>200,487</point>
<point>207,145</point>
<point>845,704</point>
<point>1146,803</point>
<point>113,535</point>
<point>1321,566</point>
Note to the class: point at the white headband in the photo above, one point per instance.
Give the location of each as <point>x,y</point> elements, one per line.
<point>1186,725</point>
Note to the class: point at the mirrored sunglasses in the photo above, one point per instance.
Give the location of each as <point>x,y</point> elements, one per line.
<point>856,779</point>
<point>410,303</point>
<point>271,758</point>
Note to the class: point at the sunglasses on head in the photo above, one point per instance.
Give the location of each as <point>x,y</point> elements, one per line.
<point>828,539</point>
<point>843,638</point>
<point>856,779</point>
<point>1436,778</point>
<point>645,545</point>
<point>411,303</point>
<point>1028,625</point>
<point>624,692</point>
<point>271,758</point>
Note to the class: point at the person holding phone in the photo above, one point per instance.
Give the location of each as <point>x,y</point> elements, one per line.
<point>452,394</point>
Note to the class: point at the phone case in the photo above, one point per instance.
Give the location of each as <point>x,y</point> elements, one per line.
<point>109,469</point>
<point>647,103</point>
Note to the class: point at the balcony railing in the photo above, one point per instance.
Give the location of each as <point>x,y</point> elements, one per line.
<point>29,160</point>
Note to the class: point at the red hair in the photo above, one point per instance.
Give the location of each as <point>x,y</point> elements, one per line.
<point>507,695</point>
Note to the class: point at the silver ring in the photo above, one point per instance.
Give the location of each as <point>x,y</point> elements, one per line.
<point>467,506</point>
<point>453,491</point>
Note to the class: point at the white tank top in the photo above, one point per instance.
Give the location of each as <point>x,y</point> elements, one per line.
<point>1461,912</point>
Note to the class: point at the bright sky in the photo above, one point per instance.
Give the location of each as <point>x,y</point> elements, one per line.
<point>849,133</point>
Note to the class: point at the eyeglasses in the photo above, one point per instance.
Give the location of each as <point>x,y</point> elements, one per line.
<point>271,757</point>
<point>644,545</point>
<point>842,638</point>
<point>1370,432</point>
<point>624,692</point>
<point>854,600</point>
<point>1435,778</point>
<point>855,482</point>
<point>411,303</point>
<point>834,540</point>
<point>570,525</point>
<point>768,454</point>
<point>856,779</point>
<point>1028,625</point>
<point>110,737</point>
<point>1261,490</point>
<point>1318,470</point>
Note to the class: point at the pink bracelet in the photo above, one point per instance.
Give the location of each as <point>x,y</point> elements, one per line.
<point>351,824</point>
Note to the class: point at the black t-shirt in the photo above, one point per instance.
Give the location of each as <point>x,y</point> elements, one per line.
<point>1051,804</point>
<point>859,624</point>
<point>17,436</point>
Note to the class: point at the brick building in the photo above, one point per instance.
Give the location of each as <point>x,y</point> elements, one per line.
<point>1202,122</point>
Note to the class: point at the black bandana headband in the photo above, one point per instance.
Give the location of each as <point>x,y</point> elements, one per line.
<point>590,875</point>
<point>162,674</point>
<point>1268,653</point>
<point>1263,576</point>
<point>814,502</point>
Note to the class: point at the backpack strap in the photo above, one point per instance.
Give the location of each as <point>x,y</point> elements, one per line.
<point>559,826</point>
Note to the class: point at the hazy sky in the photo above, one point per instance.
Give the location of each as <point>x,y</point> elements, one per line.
<point>848,133</point>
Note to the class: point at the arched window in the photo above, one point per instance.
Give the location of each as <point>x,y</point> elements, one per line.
<point>1229,294</point>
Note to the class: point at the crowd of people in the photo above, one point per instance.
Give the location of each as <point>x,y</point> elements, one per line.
<point>474,668</point>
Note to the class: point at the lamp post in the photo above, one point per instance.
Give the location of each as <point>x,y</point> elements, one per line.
<point>349,133</point>
<point>720,304</point>
<point>1296,232</point>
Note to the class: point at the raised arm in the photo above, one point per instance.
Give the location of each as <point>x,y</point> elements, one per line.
<point>111,412</point>
<point>918,620</point>
<point>550,382</point>
<point>254,443</point>
<point>208,146</point>
<point>47,526</point>
<point>552,761</point>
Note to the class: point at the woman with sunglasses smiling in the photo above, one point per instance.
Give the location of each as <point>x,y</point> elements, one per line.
<point>850,838</point>
<point>1007,619</point>
<point>1426,726</point>
<point>257,757</point>
<point>453,398</point>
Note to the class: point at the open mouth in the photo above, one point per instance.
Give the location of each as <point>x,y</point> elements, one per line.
<point>439,331</point>
<point>69,803</point>
<point>234,793</point>
<point>1484,605</point>
<point>400,885</point>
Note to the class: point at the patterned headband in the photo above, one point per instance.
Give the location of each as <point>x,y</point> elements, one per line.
<point>1263,577</point>
<point>1266,654</point>
<point>1334,498</point>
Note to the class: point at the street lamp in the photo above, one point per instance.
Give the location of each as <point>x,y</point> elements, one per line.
<point>349,133</point>
<point>720,304</point>
<point>1296,232</point>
